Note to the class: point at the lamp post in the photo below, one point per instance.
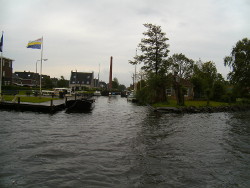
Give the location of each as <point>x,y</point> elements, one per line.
<point>36,64</point>
<point>39,60</point>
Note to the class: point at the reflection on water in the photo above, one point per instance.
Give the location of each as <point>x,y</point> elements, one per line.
<point>121,144</point>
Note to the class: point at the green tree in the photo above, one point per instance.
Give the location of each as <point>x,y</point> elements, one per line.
<point>115,83</point>
<point>204,77</point>
<point>239,62</point>
<point>121,87</point>
<point>197,82</point>
<point>141,84</point>
<point>62,82</point>
<point>154,50</point>
<point>219,88</point>
<point>207,82</point>
<point>183,68</point>
<point>154,53</point>
<point>150,92</point>
<point>48,83</point>
<point>209,73</point>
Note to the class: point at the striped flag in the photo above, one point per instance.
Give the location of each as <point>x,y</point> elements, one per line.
<point>36,44</point>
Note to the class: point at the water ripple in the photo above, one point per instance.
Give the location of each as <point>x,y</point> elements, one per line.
<point>120,144</point>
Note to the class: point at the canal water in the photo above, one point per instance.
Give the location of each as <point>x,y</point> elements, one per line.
<point>120,144</point>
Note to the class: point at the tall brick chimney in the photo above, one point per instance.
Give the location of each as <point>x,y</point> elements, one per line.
<point>110,73</point>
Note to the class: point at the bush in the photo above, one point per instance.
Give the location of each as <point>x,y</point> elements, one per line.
<point>35,93</point>
<point>245,101</point>
<point>28,93</point>
<point>218,91</point>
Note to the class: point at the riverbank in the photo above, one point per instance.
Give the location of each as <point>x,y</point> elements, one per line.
<point>205,109</point>
<point>31,103</point>
<point>29,99</point>
<point>199,107</point>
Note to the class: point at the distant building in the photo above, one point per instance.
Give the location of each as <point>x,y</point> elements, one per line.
<point>100,84</point>
<point>189,93</point>
<point>7,71</point>
<point>26,78</point>
<point>96,83</point>
<point>30,79</point>
<point>79,80</point>
<point>54,81</point>
<point>103,85</point>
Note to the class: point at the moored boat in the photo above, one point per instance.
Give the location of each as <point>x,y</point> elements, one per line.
<point>97,93</point>
<point>131,97</point>
<point>80,105</point>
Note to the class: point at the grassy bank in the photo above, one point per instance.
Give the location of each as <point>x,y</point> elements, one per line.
<point>172,103</point>
<point>30,99</point>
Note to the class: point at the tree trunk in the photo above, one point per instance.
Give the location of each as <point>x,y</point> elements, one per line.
<point>208,97</point>
<point>160,94</point>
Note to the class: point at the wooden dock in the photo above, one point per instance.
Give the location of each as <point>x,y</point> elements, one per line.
<point>45,107</point>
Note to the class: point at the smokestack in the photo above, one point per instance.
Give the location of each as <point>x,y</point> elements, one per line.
<point>110,73</point>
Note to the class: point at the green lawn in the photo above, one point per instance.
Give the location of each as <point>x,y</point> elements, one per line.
<point>172,103</point>
<point>30,99</point>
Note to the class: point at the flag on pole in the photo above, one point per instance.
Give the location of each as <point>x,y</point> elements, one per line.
<point>36,44</point>
<point>1,44</point>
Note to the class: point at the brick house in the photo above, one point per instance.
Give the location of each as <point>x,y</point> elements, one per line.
<point>28,78</point>
<point>79,80</point>
<point>7,71</point>
<point>189,90</point>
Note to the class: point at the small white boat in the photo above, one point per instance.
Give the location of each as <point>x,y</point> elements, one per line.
<point>131,97</point>
<point>97,93</point>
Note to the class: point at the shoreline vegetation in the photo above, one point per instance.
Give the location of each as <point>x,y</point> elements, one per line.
<point>191,106</point>
<point>177,76</point>
<point>200,107</point>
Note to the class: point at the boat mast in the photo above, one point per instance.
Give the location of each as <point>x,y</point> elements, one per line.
<point>98,76</point>
<point>135,73</point>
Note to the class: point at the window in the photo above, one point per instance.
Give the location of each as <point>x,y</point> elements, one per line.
<point>3,73</point>
<point>87,82</point>
<point>6,83</point>
<point>169,92</point>
<point>187,91</point>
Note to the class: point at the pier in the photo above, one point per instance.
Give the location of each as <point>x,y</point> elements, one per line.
<point>51,106</point>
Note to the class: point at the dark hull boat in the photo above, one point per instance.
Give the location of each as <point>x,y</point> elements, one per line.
<point>80,105</point>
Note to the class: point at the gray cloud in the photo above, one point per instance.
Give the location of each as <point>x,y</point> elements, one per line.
<point>83,34</point>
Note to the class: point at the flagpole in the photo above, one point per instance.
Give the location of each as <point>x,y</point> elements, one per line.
<point>1,75</point>
<point>41,69</point>
<point>1,68</point>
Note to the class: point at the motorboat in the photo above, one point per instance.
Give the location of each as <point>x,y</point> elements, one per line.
<point>131,97</point>
<point>80,105</point>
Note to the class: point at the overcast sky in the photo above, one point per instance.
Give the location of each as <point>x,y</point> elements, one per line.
<point>81,34</point>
